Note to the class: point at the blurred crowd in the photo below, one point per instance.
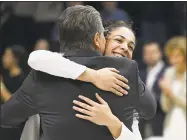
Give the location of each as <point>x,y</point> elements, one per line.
<point>160,29</point>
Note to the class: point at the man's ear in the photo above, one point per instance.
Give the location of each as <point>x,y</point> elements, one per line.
<point>96,41</point>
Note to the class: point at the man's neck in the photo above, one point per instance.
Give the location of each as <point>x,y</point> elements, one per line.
<point>150,67</point>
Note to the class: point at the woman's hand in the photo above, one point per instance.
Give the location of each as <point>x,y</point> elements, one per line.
<point>107,79</point>
<point>166,87</point>
<point>112,81</point>
<point>99,114</point>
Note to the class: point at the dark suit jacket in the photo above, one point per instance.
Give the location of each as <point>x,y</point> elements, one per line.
<point>156,91</point>
<point>52,98</point>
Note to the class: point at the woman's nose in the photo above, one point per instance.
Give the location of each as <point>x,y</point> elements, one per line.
<point>124,47</point>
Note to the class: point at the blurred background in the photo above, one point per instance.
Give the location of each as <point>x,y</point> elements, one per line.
<point>24,23</point>
<point>28,26</point>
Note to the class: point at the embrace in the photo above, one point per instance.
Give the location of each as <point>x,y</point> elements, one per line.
<point>91,92</point>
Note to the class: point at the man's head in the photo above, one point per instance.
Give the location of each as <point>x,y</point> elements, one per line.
<point>80,28</point>
<point>152,53</point>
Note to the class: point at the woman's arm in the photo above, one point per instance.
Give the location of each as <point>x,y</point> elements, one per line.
<point>55,64</point>
<point>101,114</point>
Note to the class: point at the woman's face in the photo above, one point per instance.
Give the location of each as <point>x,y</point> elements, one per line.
<point>8,58</point>
<point>120,42</point>
<point>176,58</point>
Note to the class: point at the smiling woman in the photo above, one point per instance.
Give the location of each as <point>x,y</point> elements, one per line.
<point>120,39</point>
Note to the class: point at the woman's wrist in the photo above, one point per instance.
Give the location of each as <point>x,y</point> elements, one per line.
<point>115,126</point>
<point>88,75</point>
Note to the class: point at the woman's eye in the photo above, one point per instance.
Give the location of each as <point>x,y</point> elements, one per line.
<point>131,48</point>
<point>118,40</point>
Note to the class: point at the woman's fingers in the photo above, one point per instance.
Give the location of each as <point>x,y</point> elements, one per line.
<point>122,84</point>
<point>87,100</point>
<point>113,70</point>
<point>120,89</point>
<point>83,105</point>
<point>83,117</point>
<point>100,99</point>
<point>84,111</point>
<point>122,78</point>
<point>113,90</point>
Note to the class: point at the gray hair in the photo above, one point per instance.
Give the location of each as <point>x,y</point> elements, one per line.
<point>78,26</point>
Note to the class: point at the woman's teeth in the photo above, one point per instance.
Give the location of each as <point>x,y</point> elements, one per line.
<point>118,55</point>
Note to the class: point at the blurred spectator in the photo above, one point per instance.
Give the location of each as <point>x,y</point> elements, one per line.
<point>173,85</point>
<point>14,61</point>
<point>155,68</point>
<point>41,44</point>
<point>112,12</point>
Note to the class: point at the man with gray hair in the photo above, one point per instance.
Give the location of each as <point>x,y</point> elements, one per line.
<point>82,40</point>
<point>79,28</point>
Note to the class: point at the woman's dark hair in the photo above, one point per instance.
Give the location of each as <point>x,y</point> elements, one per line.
<point>113,24</point>
<point>21,56</point>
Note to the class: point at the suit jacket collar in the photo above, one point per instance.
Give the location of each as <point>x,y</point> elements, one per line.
<point>82,53</point>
